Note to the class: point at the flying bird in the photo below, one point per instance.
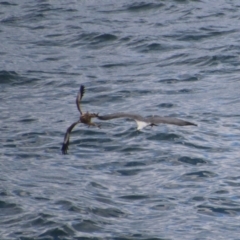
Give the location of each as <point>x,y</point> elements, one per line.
<point>84,118</point>
<point>141,121</point>
<point>146,121</point>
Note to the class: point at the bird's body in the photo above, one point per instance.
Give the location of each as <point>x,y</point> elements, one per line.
<point>85,118</point>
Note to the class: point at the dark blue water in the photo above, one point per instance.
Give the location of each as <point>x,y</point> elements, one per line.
<point>171,58</point>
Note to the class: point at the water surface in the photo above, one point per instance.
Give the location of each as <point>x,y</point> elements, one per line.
<point>171,58</point>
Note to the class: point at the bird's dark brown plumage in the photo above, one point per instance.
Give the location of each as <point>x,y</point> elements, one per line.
<point>85,118</point>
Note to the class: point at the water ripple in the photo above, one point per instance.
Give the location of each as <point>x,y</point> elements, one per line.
<point>172,58</point>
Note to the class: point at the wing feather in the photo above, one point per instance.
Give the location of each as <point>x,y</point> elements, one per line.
<point>79,98</point>
<point>67,137</point>
<point>121,115</point>
<point>148,120</point>
<point>141,121</point>
<point>168,120</point>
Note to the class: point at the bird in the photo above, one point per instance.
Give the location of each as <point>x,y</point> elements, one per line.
<point>146,121</point>
<point>85,118</point>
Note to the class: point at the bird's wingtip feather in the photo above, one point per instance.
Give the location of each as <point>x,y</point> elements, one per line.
<point>82,90</point>
<point>64,148</point>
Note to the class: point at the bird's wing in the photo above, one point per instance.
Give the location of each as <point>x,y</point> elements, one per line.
<point>67,136</point>
<point>141,121</point>
<point>168,120</point>
<point>121,115</point>
<point>146,121</point>
<point>79,98</point>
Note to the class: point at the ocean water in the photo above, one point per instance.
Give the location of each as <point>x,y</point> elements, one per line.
<point>171,58</point>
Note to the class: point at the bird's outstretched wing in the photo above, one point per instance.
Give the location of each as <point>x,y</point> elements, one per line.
<point>168,120</point>
<point>121,115</point>
<point>141,121</point>
<point>146,121</point>
<point>67,136</point>
<point>79,98</point>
